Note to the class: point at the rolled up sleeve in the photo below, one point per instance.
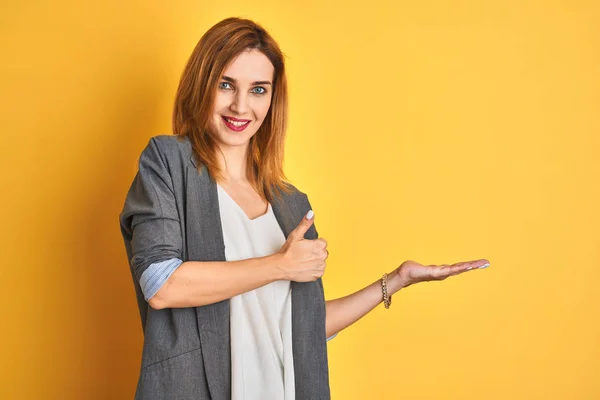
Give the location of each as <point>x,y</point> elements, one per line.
<point>156,275</point>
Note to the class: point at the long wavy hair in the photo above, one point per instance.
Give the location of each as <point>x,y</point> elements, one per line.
<point>196,94</point>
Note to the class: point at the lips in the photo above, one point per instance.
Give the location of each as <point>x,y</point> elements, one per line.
<point>235,119</point>
<point>236,124</point>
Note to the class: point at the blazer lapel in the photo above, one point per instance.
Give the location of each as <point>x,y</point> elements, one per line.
<point>205,242</point>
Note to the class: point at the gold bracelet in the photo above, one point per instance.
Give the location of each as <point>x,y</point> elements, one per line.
<point>387,301</point>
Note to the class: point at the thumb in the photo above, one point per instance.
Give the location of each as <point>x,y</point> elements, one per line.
<point>300,230</point>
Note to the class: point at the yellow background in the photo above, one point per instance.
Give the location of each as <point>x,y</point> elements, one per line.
<point>437,131</point>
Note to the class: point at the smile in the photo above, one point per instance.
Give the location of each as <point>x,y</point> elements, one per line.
<point>235,124</point>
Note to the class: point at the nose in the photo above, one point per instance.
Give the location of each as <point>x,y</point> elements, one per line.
<point>239,104</point>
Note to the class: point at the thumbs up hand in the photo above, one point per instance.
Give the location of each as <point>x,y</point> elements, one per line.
<point>300,259</point>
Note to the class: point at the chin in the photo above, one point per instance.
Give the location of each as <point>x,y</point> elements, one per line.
<point>234,138</point>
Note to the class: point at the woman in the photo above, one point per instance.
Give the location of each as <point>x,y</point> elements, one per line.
<point>224,254</point>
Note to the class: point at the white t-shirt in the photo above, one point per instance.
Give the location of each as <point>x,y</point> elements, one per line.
<point>262,365</point>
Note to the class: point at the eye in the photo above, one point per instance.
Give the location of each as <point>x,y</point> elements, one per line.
<point>261,89</point>
<point>222,84</point>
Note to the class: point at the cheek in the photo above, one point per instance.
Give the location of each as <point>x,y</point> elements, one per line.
<point>263,108</point>
<point>216,112</point>
<point>220,103</point>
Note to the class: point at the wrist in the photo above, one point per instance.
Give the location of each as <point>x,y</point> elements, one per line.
<point>395,282</point>
<point>274,263</point>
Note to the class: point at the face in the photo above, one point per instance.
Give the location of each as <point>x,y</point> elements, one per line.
<point>243,98</point>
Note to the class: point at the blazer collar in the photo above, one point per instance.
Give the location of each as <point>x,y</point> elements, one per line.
<point>281,211</point>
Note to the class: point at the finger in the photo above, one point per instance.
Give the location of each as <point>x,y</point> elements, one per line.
<point>318,246</point>
<point>477,264</point>
<point>300,230</point>
<point>474,264</point>
<point>438,272</point>
<point>469,266</point>
<point>481,263</point>
<point>458,270</point>
<point>443,271</point>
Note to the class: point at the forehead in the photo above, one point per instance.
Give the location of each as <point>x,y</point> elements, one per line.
<point>250,66</point>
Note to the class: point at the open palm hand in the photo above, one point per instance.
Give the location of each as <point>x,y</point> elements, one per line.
<point>412,272</point>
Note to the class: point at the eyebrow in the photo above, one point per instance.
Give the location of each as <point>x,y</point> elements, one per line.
<point>232,80</point>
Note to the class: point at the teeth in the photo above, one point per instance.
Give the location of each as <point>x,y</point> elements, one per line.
<point>236,123</point>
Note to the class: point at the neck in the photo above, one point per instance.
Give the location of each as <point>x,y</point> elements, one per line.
<point>232,162</point>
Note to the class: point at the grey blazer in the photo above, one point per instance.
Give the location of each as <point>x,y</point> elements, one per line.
<point>172,211</point>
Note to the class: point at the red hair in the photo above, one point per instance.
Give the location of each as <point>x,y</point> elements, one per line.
<point>196,94</point>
